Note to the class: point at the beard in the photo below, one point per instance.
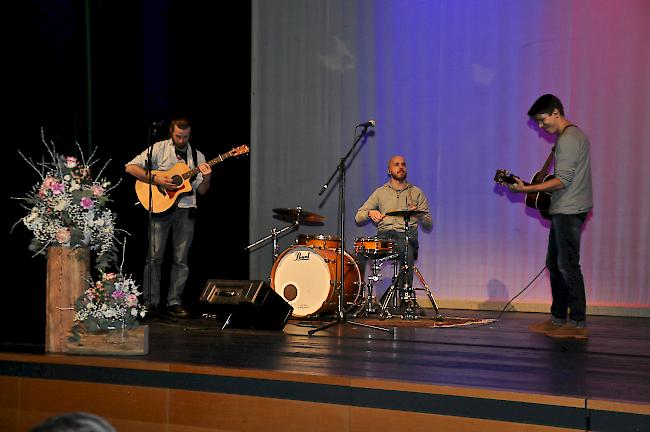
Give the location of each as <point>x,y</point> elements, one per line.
<point>399,176</point>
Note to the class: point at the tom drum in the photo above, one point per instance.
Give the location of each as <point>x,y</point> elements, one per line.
<point>319,241</point>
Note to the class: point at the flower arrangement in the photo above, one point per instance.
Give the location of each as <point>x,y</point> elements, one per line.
<point>67,207</point>
<point>108,304</point>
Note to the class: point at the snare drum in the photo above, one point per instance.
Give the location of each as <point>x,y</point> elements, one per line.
<point>373,247</point>
<point>306,278</point>
<point>319,241</point>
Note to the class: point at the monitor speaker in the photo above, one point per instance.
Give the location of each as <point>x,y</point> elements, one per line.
<point>247,304</point>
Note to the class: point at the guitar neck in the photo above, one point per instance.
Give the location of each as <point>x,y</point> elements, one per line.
<point>211,162</point>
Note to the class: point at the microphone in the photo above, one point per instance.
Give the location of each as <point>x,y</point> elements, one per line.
<point>369,123</point>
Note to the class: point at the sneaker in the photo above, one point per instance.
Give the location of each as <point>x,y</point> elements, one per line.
<point>569,331</point>
<point>544,327</point>
<point>178,311</point>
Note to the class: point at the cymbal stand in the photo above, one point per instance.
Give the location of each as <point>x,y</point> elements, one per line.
<point>438,316</point>
<point>274,235</point>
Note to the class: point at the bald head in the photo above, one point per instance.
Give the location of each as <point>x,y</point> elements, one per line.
<point>397,168</point>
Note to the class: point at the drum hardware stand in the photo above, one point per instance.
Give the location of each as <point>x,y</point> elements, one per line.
<point>340,169</point>
<point>408,295</point>
<point>367,306</point>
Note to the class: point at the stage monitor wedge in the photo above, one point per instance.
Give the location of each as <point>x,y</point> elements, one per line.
<point>247,304</point>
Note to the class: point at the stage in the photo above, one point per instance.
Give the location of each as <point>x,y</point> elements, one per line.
<point>491,377</point>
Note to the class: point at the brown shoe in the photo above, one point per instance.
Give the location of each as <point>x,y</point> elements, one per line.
<point>569,331</point>
<point>544,327</point>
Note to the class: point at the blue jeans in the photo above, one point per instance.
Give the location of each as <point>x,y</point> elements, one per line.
<point>563,263</point>
<point>180,222</point>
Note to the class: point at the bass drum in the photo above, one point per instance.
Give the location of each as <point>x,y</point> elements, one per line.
<point>306,278</point>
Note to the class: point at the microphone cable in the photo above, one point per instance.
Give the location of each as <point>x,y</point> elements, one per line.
<point>520,293</point>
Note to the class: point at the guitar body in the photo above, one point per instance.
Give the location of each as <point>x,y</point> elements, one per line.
<point>163,199</point>
<point>540,200</point>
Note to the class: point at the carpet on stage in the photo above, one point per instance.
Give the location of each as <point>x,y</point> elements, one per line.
<point>421,322</point>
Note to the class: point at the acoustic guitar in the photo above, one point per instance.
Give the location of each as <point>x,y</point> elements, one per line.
<point>163,199</point>
<point>540,201</point>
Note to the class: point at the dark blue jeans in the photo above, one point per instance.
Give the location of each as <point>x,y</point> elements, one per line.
<point>398,239</point>
<point>563,263</point>
<point>180,223</point>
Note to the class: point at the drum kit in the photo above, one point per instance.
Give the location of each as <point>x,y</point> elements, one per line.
<point>307,274</point>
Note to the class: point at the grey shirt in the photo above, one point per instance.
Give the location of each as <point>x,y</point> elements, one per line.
<point>573,169</point>
<point>386,198</point>
<point>164,158</point>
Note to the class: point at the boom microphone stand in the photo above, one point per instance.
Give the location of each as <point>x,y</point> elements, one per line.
<point>152,248</point>
<point>340,169</point>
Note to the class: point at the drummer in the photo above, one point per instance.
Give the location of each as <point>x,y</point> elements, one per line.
<point>394,195</point>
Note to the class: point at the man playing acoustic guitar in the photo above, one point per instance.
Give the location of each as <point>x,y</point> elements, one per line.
<point>179,219</point>
<point>571,200</point>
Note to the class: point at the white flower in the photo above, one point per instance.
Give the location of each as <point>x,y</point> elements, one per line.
<point>60,204</point>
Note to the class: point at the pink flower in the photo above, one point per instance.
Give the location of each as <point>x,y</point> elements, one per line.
<point>63,235</point>
<point>110,276</point>
<point>48,184</point>
<point>97,190</point>
<point>56,188</point>
<point>86,203</point>
<point>70,162</point>
<point>117,294</point>
<point>131,300</point>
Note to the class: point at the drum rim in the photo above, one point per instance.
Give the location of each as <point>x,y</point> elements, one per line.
<point>372,239</point>
<point>319,237</point>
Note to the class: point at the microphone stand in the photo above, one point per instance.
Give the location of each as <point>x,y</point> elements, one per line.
<point>152,247</point>
<point>341,312</point>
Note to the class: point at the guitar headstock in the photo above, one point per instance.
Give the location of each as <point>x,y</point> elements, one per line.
<point>237,151</point>
<point>504,177</point>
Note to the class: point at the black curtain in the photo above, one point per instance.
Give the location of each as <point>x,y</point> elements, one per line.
<point>99,73</point>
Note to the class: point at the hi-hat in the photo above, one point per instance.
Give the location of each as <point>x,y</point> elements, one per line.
<point>405,213</point>
<point>298,215</point>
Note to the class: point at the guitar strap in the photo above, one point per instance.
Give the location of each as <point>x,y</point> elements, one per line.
<point>549,159</point>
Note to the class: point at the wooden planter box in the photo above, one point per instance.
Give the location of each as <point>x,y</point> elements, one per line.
<point>68,271</point>
<point>114,342</point>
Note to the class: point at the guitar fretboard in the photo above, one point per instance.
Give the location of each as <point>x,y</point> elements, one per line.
<point>211,162</point>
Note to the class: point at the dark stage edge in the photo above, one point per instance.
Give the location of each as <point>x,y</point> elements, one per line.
<point>499,371</point>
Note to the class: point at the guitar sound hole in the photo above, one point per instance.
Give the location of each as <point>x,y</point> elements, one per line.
<point>178,180</point>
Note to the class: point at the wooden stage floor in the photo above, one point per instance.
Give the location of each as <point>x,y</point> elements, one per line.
<point>497,376</point>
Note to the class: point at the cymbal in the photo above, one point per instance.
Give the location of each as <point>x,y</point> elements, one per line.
<point>405,213</point>
<point>298,215</point>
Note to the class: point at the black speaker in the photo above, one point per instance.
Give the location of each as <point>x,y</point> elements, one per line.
<point>247,304</point>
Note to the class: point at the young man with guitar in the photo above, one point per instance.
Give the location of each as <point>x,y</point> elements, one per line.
<point>571,201</point>
<point>174,204</point>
